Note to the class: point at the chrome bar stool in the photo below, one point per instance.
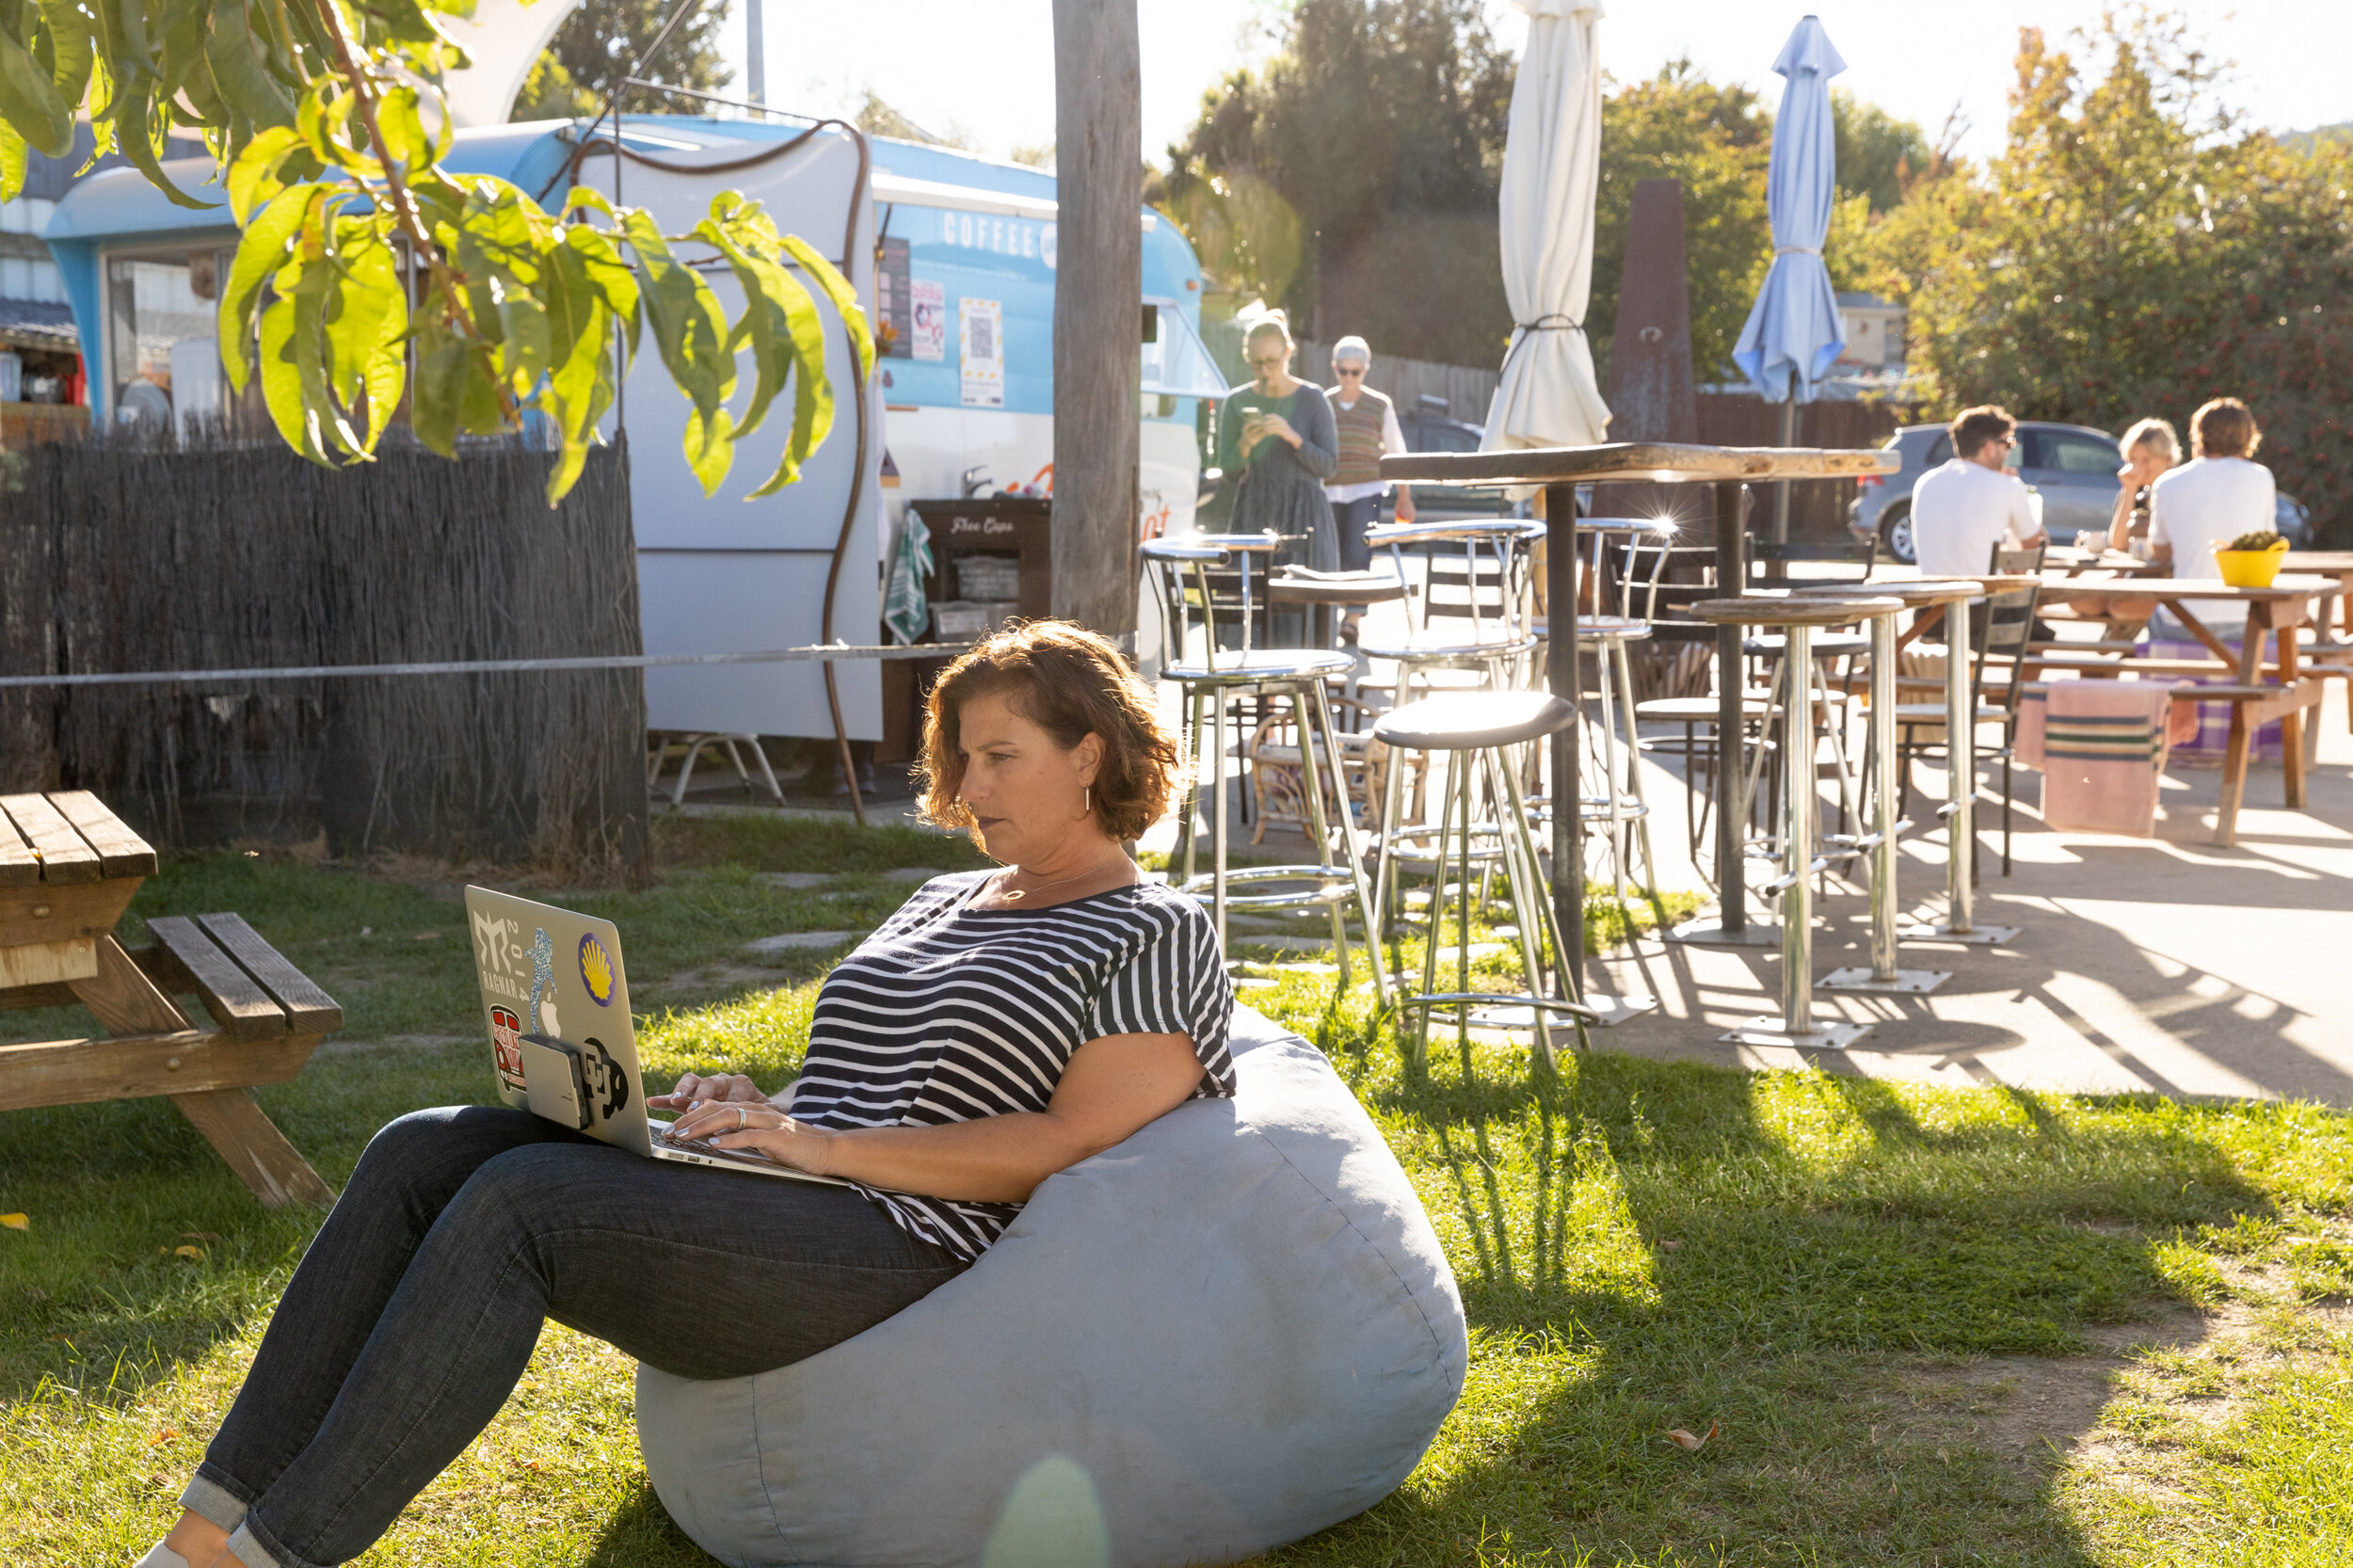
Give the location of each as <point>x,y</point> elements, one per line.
<point>1492,563</point>
<point>1484,731</point>
<point>1961,761</point>
<point>1796,618</point>
<point>1210,684</point>
<point>1886,823</point>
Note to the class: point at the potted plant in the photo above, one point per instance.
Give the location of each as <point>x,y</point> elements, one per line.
<point>2251,560</point>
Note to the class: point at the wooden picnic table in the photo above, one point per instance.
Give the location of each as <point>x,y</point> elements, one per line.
<point>68,869</point>
<point>2325,563</point>
<point>2062,560</point>
<point>1559,470</point>
<point>2261,692</point>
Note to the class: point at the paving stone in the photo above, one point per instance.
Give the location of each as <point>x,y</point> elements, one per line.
<point>796,880</point>
<point>794,941</point>
<point>912,873</point>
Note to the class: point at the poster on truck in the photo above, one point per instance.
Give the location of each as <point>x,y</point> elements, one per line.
<point>931,319</point>
<point>982,349</point>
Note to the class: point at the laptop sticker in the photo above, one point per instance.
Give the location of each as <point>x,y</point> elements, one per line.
<point>543,1012</point>
<point>596,971</point>
<point>506,1042</point>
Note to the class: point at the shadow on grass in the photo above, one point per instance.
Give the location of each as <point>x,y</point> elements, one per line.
<point>1643,1246</point>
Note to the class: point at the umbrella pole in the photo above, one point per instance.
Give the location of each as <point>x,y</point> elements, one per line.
<point>1568,848</point>
<point>1731,828</point>
<point>1781,486</point>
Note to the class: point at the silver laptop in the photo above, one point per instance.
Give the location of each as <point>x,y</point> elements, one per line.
<point>555,1000</point>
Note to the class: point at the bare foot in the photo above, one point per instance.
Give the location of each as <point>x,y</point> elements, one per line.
<point>204,1543</point>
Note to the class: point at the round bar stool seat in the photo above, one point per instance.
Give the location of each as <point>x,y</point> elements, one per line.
<point>1258,666</point>
<point>1481,729</point>
<point>1472,721</point>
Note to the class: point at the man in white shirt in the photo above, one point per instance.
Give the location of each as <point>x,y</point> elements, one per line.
<point>2212,498</point>
<point>1960,511</point>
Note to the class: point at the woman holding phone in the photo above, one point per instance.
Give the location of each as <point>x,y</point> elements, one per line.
<point>1276,445</point>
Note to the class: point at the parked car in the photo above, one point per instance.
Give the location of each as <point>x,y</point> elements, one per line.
<point>2073,466</point>
<point>1427,426</point>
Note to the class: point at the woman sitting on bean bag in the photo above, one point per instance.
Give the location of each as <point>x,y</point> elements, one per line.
<point>1000,1027</point>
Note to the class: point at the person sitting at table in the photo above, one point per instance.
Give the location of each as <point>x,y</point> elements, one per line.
<point>2152,449</point>
<point>2221,493</point>
<point>1276,446</point>
<point>1002,1026</point>
<point>1962,510</point>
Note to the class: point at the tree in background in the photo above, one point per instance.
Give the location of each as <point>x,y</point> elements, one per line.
<point>592,50</point>
<point>2133,252</point>
<point>1351,178</point>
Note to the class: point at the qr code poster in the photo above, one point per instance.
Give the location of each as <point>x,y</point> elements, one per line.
<point>931,319</point>
<point>982,349</point>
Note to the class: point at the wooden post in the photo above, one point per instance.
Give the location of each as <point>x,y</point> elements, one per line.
<point>1099,312</point>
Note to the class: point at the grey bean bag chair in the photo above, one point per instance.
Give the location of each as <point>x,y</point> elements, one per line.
<point>1228,1332</point>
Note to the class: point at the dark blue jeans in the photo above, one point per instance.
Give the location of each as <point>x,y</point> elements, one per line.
<point>1350,519</point>
<point>415,1311</point>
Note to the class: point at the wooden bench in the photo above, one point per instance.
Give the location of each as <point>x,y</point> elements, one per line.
<point>68,869</point>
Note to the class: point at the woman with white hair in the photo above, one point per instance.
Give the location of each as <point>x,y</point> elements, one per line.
<point>2152,449</point>
<point>1275,443</point>
<point>1367,424</point>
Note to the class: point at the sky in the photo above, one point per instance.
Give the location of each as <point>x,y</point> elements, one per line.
<point>984,71</point>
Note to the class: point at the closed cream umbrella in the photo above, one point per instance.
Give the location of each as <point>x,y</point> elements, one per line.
<point>1551,170</point>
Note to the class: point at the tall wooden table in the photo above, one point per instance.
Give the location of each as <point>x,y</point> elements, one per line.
<point>68,869</point>
<point>1728,471</point>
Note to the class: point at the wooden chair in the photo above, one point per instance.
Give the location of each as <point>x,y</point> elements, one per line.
<point>68,869</point>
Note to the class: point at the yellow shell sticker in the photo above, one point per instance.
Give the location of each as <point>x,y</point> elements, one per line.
<point>596,971</point>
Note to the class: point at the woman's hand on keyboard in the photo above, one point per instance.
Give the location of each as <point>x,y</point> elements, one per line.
<point>718,1088</point>
<point>757,1127</point>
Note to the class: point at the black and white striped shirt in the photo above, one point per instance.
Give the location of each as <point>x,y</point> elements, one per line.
<point>947,1014</point>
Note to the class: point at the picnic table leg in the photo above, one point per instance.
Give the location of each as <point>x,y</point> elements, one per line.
<point>2291,721</point>
<point>2233,777</point>
<point>126,1001</point>
<point>244,1137</point>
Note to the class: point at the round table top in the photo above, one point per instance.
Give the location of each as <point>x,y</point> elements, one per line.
<point>1929,590</point>
<point>1809,608</point>
<point>1248,543</point>
<point>1368,588</point>
<point>2285,586</point>
<point>2105,560</point>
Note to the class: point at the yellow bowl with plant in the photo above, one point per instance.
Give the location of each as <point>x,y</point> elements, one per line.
<point>2251,560</point>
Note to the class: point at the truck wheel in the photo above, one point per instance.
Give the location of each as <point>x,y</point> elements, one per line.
<point>1895,535</point>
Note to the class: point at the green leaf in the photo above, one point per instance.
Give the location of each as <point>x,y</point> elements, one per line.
<point>445,365</point>
<point>12,158</point>
<point>843,294</point>
<point>690,333</point>
<point>262,252</point>
<point>29,101</point>
<point>138,146</point>
<point>785,332</point>
<point>364,318</point>
<point>403,129</point>
<point>240,71</point>
<point>283,377</point>
<point>253,179</point>
<point>71,50</point>
<point>709,447</point>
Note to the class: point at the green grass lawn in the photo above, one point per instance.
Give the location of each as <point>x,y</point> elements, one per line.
<point>1926,1326</point>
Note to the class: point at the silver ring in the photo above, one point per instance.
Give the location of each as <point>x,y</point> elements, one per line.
<point>739,1118</point>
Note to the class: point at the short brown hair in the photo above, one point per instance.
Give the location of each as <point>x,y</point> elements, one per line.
<point>2223,427</point>
<point>1072,683</point>
<point>1973,427</point>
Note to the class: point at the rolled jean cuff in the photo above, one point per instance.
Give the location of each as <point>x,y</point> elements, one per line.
<point>215,1498</point>
<point>262,1550</point>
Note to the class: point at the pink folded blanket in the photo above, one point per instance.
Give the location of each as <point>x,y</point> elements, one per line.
<point>2102,747</point>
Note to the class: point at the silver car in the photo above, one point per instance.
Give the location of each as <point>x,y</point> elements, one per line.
<point>2073,466</point>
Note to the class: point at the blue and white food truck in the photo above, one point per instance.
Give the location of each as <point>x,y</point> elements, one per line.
<point>953,257</point>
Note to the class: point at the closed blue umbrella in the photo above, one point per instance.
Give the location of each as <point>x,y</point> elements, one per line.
<point>1793,335</point>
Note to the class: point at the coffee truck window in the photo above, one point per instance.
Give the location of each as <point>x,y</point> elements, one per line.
<point>160,329</point>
